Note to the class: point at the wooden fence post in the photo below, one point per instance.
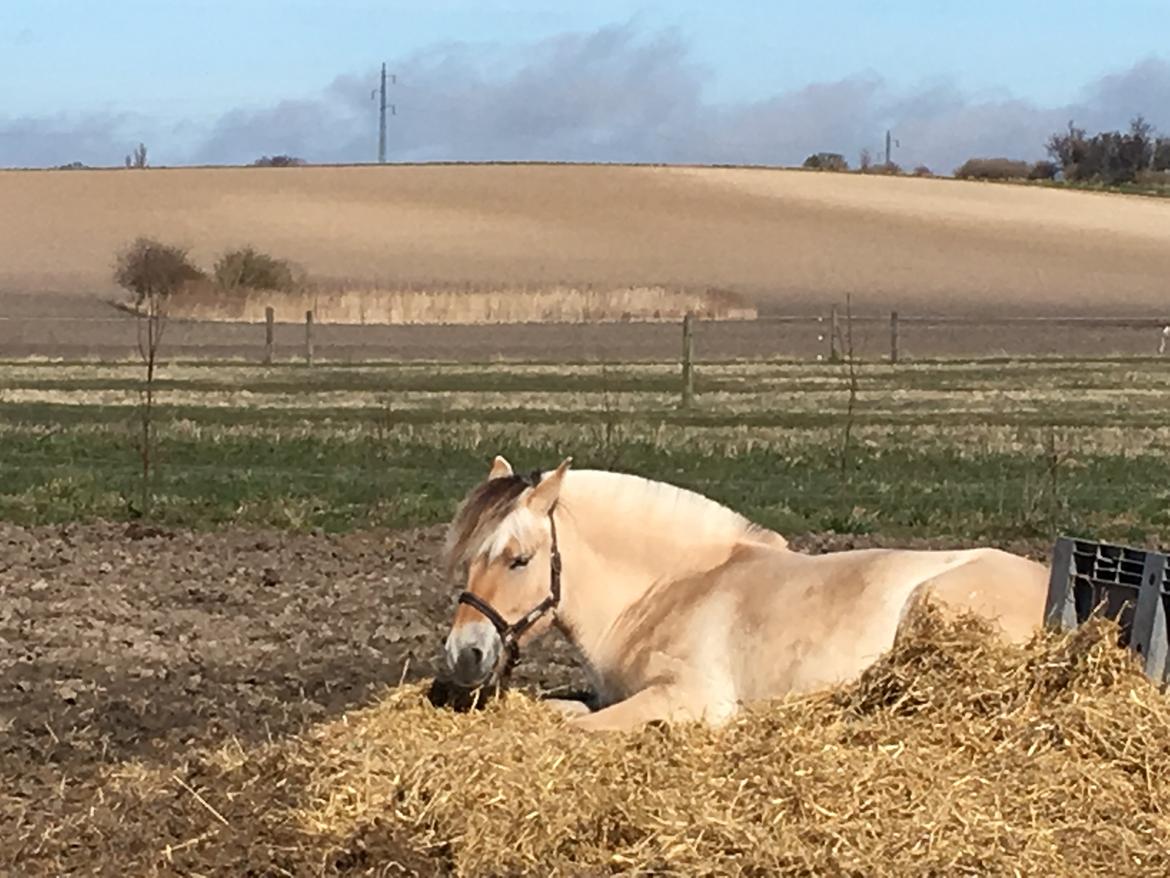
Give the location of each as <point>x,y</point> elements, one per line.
<point>893,336</point>
<point>834,336</point>
<point>309,338</point>
<point>688,355</point>
<point>269,335</point>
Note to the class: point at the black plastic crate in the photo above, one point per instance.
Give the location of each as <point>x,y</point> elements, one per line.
<point>1123,583</point>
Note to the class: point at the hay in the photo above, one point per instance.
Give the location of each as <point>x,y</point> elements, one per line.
<point>955,755</point>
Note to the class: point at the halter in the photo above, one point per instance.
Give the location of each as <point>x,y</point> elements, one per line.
<point>511,634</point>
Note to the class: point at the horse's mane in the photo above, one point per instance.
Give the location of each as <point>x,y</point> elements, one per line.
<point>480,514</point>
<point>652,503</point>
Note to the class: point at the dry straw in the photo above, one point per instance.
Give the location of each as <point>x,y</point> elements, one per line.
<point>955,755</point>
<point>368,304</point>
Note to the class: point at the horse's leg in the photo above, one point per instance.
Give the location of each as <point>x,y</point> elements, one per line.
<point>663,701</point>
<point>567,707</point>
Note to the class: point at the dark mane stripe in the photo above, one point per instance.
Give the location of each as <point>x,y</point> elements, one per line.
<point>481,512</point>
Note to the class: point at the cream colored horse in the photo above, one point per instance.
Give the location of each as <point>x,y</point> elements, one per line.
<point>683,609</point>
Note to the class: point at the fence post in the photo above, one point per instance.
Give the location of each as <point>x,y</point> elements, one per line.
<point>269,335</point>
<point>834,336</point>
<point>309,338</point>
<point>893,336</point>
<point>688,354</point>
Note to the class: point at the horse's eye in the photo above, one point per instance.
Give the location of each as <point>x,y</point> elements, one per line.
<point>518,562</point>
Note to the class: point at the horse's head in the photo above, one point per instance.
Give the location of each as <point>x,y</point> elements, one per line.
<point>503,543</point>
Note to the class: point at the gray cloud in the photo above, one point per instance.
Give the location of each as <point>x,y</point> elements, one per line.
<point>609,95</point>
<point>46,141</point>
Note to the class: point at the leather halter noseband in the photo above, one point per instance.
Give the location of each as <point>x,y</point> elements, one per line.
<point>511,634</point>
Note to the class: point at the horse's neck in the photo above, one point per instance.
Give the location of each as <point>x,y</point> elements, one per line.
<point>625,536</point>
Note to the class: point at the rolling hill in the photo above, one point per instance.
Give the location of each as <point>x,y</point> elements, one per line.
<point>792,240</point>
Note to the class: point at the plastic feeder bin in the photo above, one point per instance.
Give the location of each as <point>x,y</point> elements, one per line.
<point>1129,585</point>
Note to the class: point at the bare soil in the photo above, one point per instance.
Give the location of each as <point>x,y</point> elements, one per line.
<point>133,644</point>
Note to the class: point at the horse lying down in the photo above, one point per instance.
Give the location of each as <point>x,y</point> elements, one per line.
<point>682,608</point>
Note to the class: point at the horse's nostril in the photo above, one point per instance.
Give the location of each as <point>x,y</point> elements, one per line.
<point>476,655</point>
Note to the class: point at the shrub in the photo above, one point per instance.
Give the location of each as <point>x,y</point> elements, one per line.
<point>278,161</point>
<point>883,169</point>
<point>923,171</point>
<point>1043,170</point>
<point>993,169</point>
<point>149,269</point>
<point>827,161</point>
<point>1154,178</point>
<point>249,268</point>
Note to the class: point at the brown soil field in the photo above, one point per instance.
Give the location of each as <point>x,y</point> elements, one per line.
<point>792,240</point>
<point>123,647</point>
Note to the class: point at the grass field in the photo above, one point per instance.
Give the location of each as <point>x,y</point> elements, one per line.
<point>966,449</point>
<point>791,240</point>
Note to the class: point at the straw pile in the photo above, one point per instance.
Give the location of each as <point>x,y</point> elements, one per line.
<point>955,755</point>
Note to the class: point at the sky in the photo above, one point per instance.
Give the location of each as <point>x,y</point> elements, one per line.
<point>225,81</point>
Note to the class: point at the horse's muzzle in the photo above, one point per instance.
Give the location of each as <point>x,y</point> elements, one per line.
<point>472,652</point>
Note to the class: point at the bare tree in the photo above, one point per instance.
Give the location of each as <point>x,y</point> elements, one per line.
<point>153,272</point>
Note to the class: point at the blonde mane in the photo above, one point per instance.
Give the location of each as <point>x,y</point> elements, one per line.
<point>491,515</point>
<point>658,506</point>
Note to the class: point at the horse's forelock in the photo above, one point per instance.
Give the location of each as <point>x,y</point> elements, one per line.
<point>481,513</point>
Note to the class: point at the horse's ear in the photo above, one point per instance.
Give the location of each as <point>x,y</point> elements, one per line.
<point>500,468</point>
<point>545,494</point>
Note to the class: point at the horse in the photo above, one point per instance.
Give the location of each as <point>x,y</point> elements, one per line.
<point>683,609</point>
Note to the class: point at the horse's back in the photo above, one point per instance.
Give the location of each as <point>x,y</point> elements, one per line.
<point>821,619</point>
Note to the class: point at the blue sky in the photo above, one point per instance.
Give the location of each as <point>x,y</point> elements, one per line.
<point>175,69</point>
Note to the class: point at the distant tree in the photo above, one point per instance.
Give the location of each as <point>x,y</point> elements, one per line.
<point>137,159</point>
<point>1110,157</point>
<point>1068,149</point>
<point>923,171</point>
<point>1161,159</point>
<point>826,161</point>
<point>150,268</point>
<point>278,161</point>
<point>72,166</point>
<point>865,160</point>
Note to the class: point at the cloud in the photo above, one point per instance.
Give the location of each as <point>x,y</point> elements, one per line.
<point>46,141</point>
<point>609,95</point>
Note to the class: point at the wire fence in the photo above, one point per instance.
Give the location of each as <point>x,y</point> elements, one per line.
<point>890,337</point>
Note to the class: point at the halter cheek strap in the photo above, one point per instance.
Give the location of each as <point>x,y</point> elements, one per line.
<point>510,634</point>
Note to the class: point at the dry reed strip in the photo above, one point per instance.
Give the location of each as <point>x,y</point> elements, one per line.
<point>467,304</point>
<point>954,755</point>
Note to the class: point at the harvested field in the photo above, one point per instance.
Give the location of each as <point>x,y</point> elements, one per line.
<point>791,240</point>
<point>188,704</point>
